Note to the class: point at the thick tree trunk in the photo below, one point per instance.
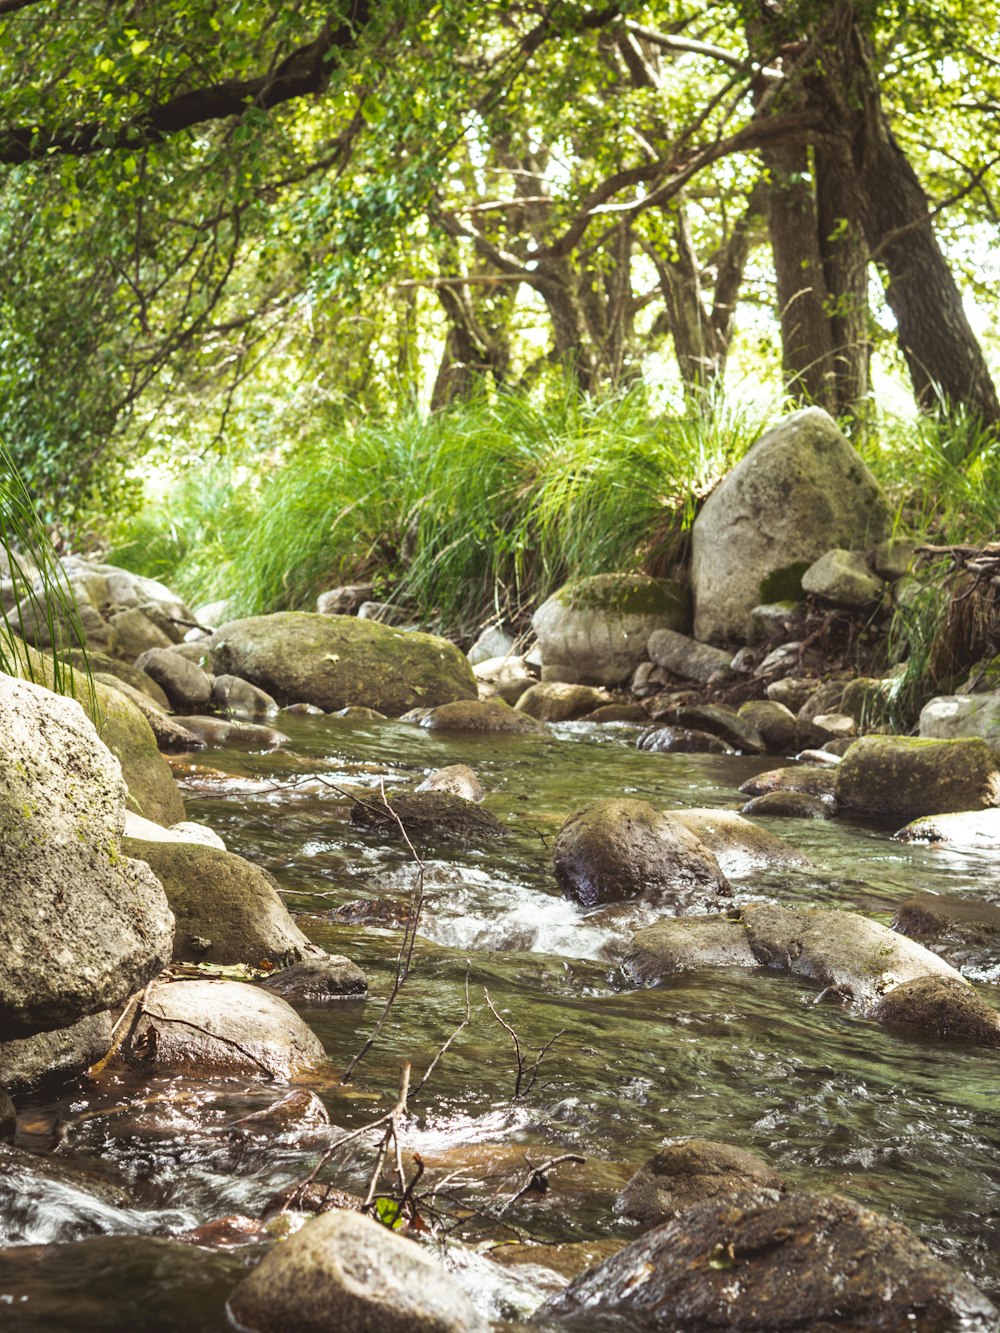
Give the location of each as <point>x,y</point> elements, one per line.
<point>557,284</point>
<point>845,270</point>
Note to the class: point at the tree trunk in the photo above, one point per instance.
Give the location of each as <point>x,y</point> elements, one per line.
<point>845,270</point>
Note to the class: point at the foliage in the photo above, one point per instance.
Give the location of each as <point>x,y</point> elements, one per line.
<point>465,515</point>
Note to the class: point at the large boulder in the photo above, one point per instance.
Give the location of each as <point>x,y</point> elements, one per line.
<point>758,1262</point>
<point>689,1171</point>
<point>903,777</point>
<point>594,631</point>
<point>616,849</point>
<point>221,1027</point>
<point>801,490</point>
<point>81,926</point>
<point>343,1271</point>
<point>227,910</point>
<point>334,661</point>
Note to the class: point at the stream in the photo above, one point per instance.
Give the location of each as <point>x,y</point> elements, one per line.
<point>908,1127</point>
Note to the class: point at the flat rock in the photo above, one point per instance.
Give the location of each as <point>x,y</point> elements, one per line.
<point>333,661</point>
<point>344,1272</point>
<point>962,828</point>
<point>615,849</point>
<point>594,631</point>
<point>221,733</point>
<point>480,715</point>
<point>686,944</point>
<point>903,777</point>
<point>686,657</point>
<point>689,1171</point>
<point>81,926</point>
<point>758,1262</point>
<point>222,1027</point>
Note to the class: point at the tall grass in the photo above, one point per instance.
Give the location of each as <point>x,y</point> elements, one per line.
<point>461,516</point>
<point>36,591</point>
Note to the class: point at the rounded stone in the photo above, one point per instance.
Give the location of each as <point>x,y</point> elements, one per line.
<point>689,1171</point>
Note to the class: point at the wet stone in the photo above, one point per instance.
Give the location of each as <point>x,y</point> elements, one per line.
<point>689,1171</point>
<point>965,931</point>
<point>427,816</point>
<point>788,805</point>
<point>818,782</point>
<point>944,1007</point>
<point>318,978</point>
<point>681,740</point>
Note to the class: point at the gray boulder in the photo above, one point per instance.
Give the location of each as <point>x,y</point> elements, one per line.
<point>760,1262</point>
<point>136,633</point>
<point>334,661</point>
<point>681,740</point>
<point>689,1171</point>
<point>81,926</point>
<point>615,849</point>
<point>685,657</point>
<point>344,1272</point>
<point>843,578</point>
<point>736,730</point>
<point>227,910</point>
<point>964,828</point>
<point>184,683</point>
<point>902,777</point>
<point>799,491</point>
<point>222,1027</point>
<point>953,716</point>
<point>318,978</point>
<point>776,725</point>
<point>594,630</point>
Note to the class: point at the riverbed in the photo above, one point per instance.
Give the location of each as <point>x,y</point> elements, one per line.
<point>833,1101</point>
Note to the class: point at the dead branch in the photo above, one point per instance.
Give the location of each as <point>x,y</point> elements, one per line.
<point>526,1077</point>
<point>537,1181</point>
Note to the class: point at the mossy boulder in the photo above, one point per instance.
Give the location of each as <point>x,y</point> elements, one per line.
<point>478,715</point>
<point>334,661</point>
<point>227,910</point>
<point>776,725</point>
<point>812,780</point>
<point>942,1006</point>
<point>594,631</point>
<point>555,701</point>
<point>903,777</point>
<point>615,849</point>
<point>801,490</point>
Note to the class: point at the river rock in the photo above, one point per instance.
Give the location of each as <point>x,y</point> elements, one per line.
<point>81,926</point>
<point>345,600</point>
<point>681,740</point>
<point>458,779</point>
<point>479,715</point>
<point>800,490</point>
<point>56,1056</point>
<point>776,725</point>
<point>594,631</point>
<point>186,831</point>
<point>227,909</point>
<point>791,691</point>
<point>136,633</point>
<point>8,1118</point>
<point>617,849</point>
<point>333,661</point>
<point>345,1272</point>
<point>230,694</point>
<point>811,780</point>
<point>427,817</point>
<point>946,1007</point>
<point>958,715</point>
<point>737,845</point>
<point>963,828</point>
<point>758,1262</point>
<point>318,978</point>
<point>788,805</point>
<point>222,1027</point>
<point>688,1171</point>
<point>964,931</point>
<point>555,701</point>
<point>222,733</point>
<point>633,714</point>
<point>902,777</point>
<point>504,678</point>
<point>493,642</point>
<point>855,958</point>
<point>843,578</point>
<point>186,686</point>
<point>685,657</point>
<point>738,732</point>
<point>100,663</point>
<point>124,730</point>
<point>171,736</point>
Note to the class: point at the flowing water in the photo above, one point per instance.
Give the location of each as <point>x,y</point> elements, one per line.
<point>834,1102</point>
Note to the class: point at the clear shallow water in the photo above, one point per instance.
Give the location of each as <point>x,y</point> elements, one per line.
<point>833,1101</point>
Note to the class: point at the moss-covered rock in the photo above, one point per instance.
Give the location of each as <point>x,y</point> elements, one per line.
<point>227,910</point>
<point>738,845</point>
<point>943,1006</point>
<point>555,701</point>
<point>776,725</point>
<point>594,631</point>
<point>689,1171</point>
<point>334,661</point>
<point>902,777</point>
<point>479,715</point>
<point>820,782</point>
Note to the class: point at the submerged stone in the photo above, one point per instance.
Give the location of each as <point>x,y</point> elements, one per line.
<point>689,1171</point>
